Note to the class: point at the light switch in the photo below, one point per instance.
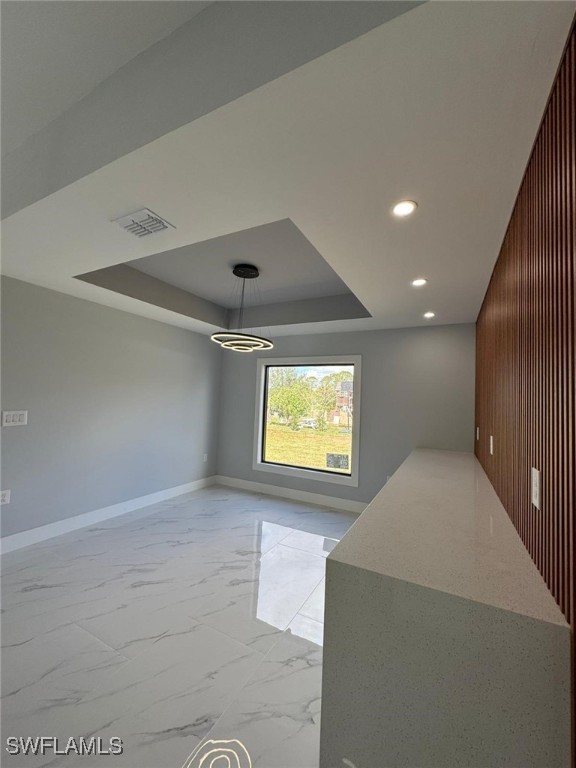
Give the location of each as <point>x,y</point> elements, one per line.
<point>14,418</point>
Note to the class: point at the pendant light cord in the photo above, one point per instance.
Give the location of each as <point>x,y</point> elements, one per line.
<point>241,315</point>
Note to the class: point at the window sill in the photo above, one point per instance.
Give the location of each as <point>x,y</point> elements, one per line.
<point>306,474</point>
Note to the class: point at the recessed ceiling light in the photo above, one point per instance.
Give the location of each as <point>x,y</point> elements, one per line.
<point>419,282</point>
<point>404,208</point>
<point>429,315</point>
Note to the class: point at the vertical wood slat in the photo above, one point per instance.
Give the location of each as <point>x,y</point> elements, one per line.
<point>526,354</point>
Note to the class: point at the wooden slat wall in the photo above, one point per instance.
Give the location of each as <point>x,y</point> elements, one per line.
<point>526,365</point>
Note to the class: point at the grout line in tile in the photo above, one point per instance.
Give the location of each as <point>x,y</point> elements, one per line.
<point>99,639</point>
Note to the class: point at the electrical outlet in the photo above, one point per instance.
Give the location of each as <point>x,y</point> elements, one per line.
<point>205,458</point>
<point>536,487</point>
<point>491,445</point>
<point>14,418</point>
<point>4,497</point>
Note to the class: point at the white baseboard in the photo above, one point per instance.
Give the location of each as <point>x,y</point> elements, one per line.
<point>290,493</point>
<point>44,532</point>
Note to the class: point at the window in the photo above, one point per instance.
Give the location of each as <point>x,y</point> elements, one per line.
<point>307,418</point>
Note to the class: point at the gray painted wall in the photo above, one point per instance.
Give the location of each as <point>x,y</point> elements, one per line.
<point>119,406</point>
<point>417,391</point>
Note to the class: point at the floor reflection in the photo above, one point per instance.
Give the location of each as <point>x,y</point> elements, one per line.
<point>288,575</point>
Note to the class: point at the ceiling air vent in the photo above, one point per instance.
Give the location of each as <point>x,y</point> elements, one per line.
<point>144,222</point>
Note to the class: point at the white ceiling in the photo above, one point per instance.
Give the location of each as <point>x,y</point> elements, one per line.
<point>440,105</point>
<point>54,52</point>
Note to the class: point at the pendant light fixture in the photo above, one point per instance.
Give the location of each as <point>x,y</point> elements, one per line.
<point>236,340</point>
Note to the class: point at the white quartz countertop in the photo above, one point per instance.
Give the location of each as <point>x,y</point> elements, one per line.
<point>438,523</point>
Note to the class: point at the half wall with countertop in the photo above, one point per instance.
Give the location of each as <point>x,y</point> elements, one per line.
<point>442,643</point>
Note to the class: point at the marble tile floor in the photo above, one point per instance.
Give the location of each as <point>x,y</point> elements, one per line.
<point>197,619</point>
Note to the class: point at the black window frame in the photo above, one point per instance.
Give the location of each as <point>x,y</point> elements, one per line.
<point>264,421</point>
